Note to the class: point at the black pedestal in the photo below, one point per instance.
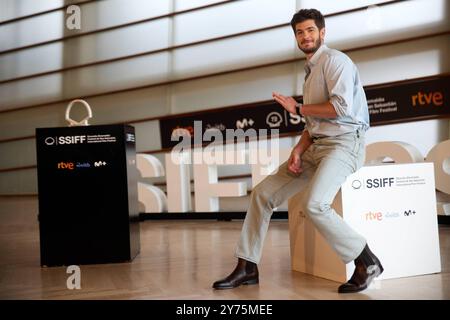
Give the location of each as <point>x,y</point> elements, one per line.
<point>87,183</point>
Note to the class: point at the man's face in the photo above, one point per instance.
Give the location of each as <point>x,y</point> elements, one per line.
<point>309,37</point>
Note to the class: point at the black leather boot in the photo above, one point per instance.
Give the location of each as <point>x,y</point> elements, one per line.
<point>367,267</point>
<point>246,272</point>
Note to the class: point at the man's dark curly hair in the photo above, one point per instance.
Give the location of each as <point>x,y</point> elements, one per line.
<point>306,14</point>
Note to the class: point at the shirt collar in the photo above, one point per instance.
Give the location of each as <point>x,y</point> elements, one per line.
<point>313,61</point>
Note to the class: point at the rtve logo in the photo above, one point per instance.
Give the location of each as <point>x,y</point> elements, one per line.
<point>424,99</point>
<point>373,216</point>
<point>65,165</point>
<point>373,183</point>
<point>180,132</point>
<point>379,216</point>
<point>64,140</point>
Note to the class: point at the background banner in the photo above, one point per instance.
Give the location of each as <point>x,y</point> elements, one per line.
<point>390,103</point>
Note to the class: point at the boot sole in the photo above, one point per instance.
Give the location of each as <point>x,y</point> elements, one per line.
<point>248,282</point>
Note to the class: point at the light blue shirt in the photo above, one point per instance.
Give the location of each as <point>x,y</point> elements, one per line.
<point>332,76</point>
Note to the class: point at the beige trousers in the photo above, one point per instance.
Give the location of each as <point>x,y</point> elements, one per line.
<point>326,165</point>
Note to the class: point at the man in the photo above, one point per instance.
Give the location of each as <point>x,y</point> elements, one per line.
<point>331,148</point>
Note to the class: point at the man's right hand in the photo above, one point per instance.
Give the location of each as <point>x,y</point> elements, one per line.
<point>288,103</point>
<point>295,162</point>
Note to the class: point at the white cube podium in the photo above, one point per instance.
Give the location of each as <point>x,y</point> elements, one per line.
<point>392,206</point>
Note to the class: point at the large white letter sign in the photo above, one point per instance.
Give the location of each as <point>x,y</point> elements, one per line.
<point>153,198</point>
<point>440,155</point>
<point>207,188</point>
<point>178,181</point>
<point>400,152</point>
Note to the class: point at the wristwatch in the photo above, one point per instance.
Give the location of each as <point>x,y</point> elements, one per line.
<point>298,108</point>
<point>298,111</point>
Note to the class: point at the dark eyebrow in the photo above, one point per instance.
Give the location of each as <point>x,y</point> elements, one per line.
<point>309,28</point>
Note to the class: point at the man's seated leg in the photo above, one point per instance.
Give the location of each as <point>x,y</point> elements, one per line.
<point>268,194</point>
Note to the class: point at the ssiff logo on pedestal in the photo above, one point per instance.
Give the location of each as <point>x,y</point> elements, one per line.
<point>373,183</point>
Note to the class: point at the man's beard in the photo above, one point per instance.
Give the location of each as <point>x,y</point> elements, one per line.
<point>313,49</point>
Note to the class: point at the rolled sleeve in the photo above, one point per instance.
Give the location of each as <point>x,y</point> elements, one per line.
<point>339,77</point>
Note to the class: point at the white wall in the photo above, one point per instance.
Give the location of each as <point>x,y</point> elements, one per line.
<point>380,64</point>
